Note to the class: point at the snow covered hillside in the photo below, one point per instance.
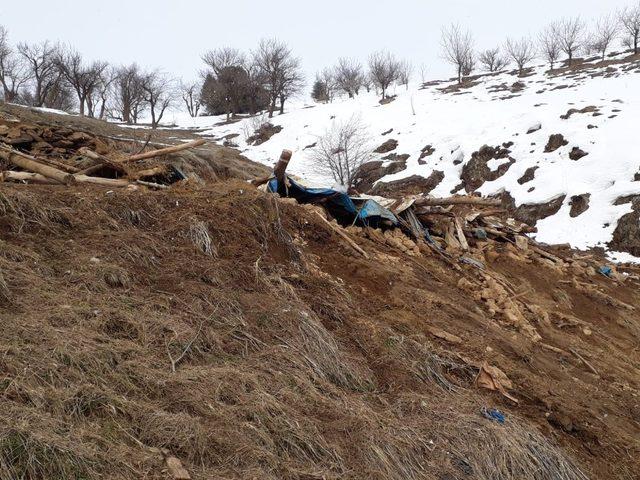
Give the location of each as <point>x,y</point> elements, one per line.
<point>595,107</point>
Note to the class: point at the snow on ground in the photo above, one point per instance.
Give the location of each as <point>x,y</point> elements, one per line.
<point>459,123</point>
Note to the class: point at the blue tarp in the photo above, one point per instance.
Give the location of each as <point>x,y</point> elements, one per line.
<point>339,204</point>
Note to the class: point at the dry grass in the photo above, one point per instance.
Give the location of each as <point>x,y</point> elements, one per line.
<point>287,374</point>
<point>26,211</point>
<point>25,456</point>
<point>199,235</point>
<point>5,293</point>
<point>324,356</point>
<point>511,451</point>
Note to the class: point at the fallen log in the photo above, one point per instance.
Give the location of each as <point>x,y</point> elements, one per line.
<point>60,165</point>
<point>31,164</point>
<point>102,162</point>
<point>163,151</point>
<point>346,237</point>
<point>431,202</point>
<point>107,182</point>
<point>257,182</point>
<point>10,176</point>
<point>150,172</point>
<point>157,186</point>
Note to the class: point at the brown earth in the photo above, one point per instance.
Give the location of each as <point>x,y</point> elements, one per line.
<point>236,332</point>
<point>300,360</point>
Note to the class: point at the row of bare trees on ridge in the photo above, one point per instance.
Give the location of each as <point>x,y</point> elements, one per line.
<point>235,82</point>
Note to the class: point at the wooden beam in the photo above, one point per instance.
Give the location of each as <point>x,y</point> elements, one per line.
<point>346,237</point>
<point>281,167</point>
<point>11,176</point>
<point>431,202</point>
<point>163,151</point>
<point>26,162</point>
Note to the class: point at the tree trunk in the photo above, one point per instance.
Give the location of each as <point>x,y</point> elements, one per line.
<point>31,164</point>
<point>282,99</point>
<point>164,151</point>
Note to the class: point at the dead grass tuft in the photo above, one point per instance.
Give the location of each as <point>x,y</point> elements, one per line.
<point>24,209</point>
<point>24,456</point>
<point>199,235</point>
<point>5,293</point>
<point>399,454</point>
<point>322,353</point>
<point>511,451</point>
<point>117,278</point>
<point>183,435</point>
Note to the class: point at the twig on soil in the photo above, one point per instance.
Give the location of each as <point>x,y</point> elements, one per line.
<point>353,244</point>
<point>175,361</point>
<point>583,360</point>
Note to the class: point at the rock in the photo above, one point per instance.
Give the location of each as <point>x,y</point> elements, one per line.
<point>413,185</point>
<point>530,213</point>
<point>529,175</point>
<point>626,236</point>
<point>263,134</point>
<point>534,128</point>
<point>387,146</point>
<point>369,173</point>
<point>555,142</point>
<point>444,335</point>
<point>427,151</point>
<point>571,111</point>
<point>476,171</point>
<point>576,153</point>
<point>579,204</point>
<point>522,242</point>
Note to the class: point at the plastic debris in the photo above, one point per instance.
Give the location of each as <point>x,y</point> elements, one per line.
<point>493,414</point>
<point>606,271</point>
<point>480,233</point>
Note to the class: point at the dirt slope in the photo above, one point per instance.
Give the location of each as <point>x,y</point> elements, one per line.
<point>294,357</point>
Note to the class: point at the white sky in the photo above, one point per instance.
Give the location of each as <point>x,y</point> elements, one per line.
<point>172,35</point>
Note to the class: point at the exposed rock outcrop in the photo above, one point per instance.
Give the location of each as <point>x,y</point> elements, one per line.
<point>412,185</point>
<point>579,204</point>
<point>476,171</point>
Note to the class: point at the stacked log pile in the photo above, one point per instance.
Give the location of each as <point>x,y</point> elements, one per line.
<point>61,156</point>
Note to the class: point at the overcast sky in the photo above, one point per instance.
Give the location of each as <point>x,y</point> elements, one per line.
<point>172,35</point>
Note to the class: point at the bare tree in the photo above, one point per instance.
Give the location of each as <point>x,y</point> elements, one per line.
<point>279,72</point>
<point>40,60</point>
<point>606,31</point>
<point>13,74</point>
<point>100,95</point>
<point>84,79</point>
<point>521,52</point>
<point>348,76</point>
<point>457,49</point>
<point>190,93</point>
<point>549,43</point>
<point>630,23</point>
<point>405,70</point>
<point>129,95</point>
<point>327,76</point>
<point>469,64</point>
<point>341,150</point>
<point>223,58</point>
<point>423,73</point>
<point>493,60</point>
<point>384,69</point>
<point>159,93</point>
<point>570,35</point>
